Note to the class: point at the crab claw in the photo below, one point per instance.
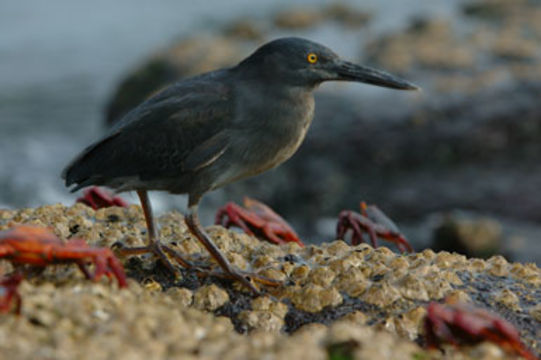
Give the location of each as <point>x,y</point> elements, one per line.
<point>98,198</point>
<point>257,219</point>
<point>104,260</point>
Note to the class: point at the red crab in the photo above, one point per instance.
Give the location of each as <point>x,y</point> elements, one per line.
<point>9,293</point>
<point>375,222</point>
<point>98,198</point>
<point>461,324</point>
<point>37,246</point>
<point>257,218</point>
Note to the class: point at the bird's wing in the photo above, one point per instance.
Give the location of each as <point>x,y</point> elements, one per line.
<point>206,153</point>
<point>179,130</point>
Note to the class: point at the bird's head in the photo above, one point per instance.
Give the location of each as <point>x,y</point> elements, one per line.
<point>300,62</point>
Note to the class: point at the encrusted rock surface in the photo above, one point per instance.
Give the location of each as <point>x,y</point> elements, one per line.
<point>336,299</point>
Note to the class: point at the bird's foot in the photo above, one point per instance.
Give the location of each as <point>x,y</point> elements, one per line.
<point>257,219</point>
<point>192,221</point>
<point>159,250</point>
<point>373,221</point>
<point>248,279</point>
<point>244,278</point>
<point>203,270</point>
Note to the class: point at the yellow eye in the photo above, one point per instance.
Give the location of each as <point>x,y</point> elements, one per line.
<point>312,58</point>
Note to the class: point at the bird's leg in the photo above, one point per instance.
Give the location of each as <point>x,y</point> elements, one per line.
<point>153,244</point>
<point>192,221</point>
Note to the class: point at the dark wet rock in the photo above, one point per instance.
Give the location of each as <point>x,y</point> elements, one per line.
<point>467,154</point>
<point>491,9</point>
<point>135,88</point>
<point>473,237</point>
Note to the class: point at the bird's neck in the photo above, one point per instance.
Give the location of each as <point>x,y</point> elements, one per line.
<point>273,120</point>
<point>273,77</point>
<point>282,114</point>
<point>274,87</point>
<point>268,98</point>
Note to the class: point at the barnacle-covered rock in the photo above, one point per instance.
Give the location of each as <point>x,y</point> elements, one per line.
<point>313,298</point>
<point>333,299</point>
<point>266,314</point>
<point>210,298</point>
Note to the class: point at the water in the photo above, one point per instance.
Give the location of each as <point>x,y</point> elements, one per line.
<point>60,60</point>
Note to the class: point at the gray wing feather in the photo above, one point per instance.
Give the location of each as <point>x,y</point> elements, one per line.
<point>206,153</point>
<point>177,131</point>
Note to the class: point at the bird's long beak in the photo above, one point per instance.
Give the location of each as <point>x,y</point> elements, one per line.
<point>352,72</point>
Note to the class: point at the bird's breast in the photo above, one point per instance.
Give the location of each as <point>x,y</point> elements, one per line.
<point>274,129</point>
<point>294,130</point>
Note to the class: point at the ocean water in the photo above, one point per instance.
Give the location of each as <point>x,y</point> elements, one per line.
<point>60,60</point>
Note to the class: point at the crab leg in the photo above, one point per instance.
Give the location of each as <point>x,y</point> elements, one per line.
<point>373,221</point>
<point>232,211</point>
<point>9,293</point>
<point>257,218</point>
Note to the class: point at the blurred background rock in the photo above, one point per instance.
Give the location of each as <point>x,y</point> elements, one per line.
<point>455,164</point>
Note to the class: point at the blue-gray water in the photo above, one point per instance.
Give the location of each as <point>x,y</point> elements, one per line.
<point>60,60</point>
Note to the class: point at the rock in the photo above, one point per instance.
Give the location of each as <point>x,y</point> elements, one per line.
<point>490,9</point>
<point>298,19</point>
<point>347,15</point>
<point>246,29</point>
<point>436,46</point>
<point>266,315</point>
<point>313,298</point>
<point>309,17</point>
<point>474,237</point>
<point>314,314</point>
<point>210,298</point>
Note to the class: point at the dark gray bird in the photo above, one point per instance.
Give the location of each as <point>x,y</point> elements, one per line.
<point>210,130</point>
